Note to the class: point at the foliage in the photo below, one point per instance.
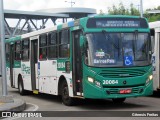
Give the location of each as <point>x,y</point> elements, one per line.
<point>121,10</point>
<point>152,17</point>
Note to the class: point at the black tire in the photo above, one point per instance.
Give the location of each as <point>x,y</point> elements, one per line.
<point>118,100</point>
<point>66,99</point>
<point>21,87</point>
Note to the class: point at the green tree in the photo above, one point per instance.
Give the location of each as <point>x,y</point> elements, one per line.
<point>152,17</point>
<point>121,10</point>
<point>133,10</point>
<point>113,10</point>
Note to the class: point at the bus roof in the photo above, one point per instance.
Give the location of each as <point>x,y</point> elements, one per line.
<point>66,25</point>
<point>35,33</point>
<point>123,16</point>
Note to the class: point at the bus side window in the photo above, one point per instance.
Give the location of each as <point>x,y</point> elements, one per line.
<point>25,49</point>
<point>52,45</point>
<point>18,50</point>
<point>43,47</point>
<point>64,44</point>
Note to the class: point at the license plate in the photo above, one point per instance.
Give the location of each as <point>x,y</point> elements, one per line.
<point>125,91</point>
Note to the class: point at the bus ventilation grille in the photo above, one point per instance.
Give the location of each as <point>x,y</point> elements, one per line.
<point>122,73</point>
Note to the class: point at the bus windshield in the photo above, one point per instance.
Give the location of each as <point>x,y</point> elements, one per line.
<point>118,49</point>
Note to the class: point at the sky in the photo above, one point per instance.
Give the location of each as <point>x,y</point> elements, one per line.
<point>32,5</point>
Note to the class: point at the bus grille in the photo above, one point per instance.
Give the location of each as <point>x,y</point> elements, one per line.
<point>122,73</point>
<point>116,91</point>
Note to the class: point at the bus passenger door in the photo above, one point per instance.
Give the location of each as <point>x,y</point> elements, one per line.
<point>77,63</point>
<point>33,62</point>
<point>12,65</point>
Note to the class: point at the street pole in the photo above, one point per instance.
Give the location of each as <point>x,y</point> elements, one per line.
<point>2,45</point>
<point>141,8</point>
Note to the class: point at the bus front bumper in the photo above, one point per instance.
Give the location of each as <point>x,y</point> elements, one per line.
<point>94,92</point>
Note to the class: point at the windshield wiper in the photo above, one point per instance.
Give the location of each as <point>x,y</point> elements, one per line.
<point>108,37</point>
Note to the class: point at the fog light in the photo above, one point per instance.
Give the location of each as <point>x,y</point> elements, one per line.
<point>147,81</point>
<point>90,79</point>
<point>141,90</point>
<point>108,92</point>
<point>98,84</point>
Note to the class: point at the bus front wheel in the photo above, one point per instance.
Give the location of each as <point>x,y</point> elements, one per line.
<point>118,100</point>
<point>66,99</point>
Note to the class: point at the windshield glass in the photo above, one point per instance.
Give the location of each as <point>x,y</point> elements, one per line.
<point>117,49</point>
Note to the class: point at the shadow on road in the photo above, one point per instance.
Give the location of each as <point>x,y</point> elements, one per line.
<point>156,94</point>
<point>88,104</point>
<point>108,105</point>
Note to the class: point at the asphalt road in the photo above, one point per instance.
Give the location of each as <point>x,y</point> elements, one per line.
<point>44,102</point>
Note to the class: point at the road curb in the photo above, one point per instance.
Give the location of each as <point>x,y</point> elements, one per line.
<point>18,105</point>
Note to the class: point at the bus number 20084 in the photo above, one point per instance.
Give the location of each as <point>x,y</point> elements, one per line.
<point>110,82</point>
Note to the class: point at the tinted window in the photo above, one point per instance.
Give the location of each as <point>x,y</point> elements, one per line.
<point>43,40</point>
<point>18,50</point>
<point>64,51</point>
<point>52,51</point>
<point>25,49</point>
<point>63,45</point>
<point>64,37</point>
<point>52,45</point>
<point>43,47</point>
<point>52,38</point>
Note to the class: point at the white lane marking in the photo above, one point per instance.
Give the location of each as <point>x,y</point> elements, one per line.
<point>35,109</point>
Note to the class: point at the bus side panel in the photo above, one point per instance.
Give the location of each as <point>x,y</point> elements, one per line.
<point>68,78</point>
<point>61,71</point>
<point>156,62</point>
<point>47,76</point>
<point>26,75</point>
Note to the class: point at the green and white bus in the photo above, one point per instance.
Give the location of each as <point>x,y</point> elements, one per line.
<point>85,58</point>
<point>155,37</point>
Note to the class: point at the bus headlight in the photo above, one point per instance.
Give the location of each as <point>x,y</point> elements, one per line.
<point>150,77</point>
<point>90,79</point>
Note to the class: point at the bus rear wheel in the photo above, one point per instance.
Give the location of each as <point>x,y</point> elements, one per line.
<point>66,99</point>
<point>20,87</point>
<point>118,100</point>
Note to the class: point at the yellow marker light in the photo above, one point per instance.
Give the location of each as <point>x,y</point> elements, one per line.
<point>90,79</point>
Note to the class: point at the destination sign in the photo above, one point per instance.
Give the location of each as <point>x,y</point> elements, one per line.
<point>117,23</point>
